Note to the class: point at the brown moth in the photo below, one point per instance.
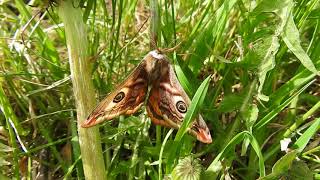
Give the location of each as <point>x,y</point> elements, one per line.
<point>167,103</point>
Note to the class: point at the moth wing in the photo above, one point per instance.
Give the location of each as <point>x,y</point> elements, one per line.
<point>168,103</point>
<point>126,99</point>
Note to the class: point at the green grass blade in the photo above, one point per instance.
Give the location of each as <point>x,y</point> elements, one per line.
<point>9,115</point>
<point>255,145</point>
<point>70,169</point>
<point>304,139</point>
<point>209,35</point>
<point>187,86</point>
<point>212,171</point>
<point>301,120</point>
<point>75,144</point>
<point>292,85</point>
<point>268,117</point>
<point>161,153</point>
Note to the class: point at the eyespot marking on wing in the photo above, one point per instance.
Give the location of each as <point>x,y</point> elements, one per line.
<point>118,97</point>
<point>181,106</point>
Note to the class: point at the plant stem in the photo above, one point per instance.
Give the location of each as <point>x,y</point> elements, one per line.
<point>155,25</point>
<point>77,43</point>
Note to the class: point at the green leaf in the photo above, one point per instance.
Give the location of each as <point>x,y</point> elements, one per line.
<point>270,6</point>
<point>291,38</point>
<point>267,63</point>
<point>281,166</point>
<point>300,170</point>
<point>284,163</point>
<point>251,116</point>
<point>282,9</point>
<point>244,147</point>
<point>231,102</point>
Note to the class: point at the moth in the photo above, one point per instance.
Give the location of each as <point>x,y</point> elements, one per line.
<point>166,104</point>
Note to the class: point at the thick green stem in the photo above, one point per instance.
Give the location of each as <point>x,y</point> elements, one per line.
<point>155,24</point>
<point>80,68</point>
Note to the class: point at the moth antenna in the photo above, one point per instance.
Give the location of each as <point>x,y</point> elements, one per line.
<point>153,44</point>
<point>26,25</point>
<point>168,50</point>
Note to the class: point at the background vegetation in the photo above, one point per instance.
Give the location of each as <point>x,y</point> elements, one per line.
<point>261,104</point>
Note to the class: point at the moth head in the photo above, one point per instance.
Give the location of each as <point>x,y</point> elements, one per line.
<point>156,54</point>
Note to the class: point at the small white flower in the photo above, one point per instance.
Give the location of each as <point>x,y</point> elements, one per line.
<point>284,144</point>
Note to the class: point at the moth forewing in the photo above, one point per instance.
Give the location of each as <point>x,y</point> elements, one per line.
<point>126,99</point>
